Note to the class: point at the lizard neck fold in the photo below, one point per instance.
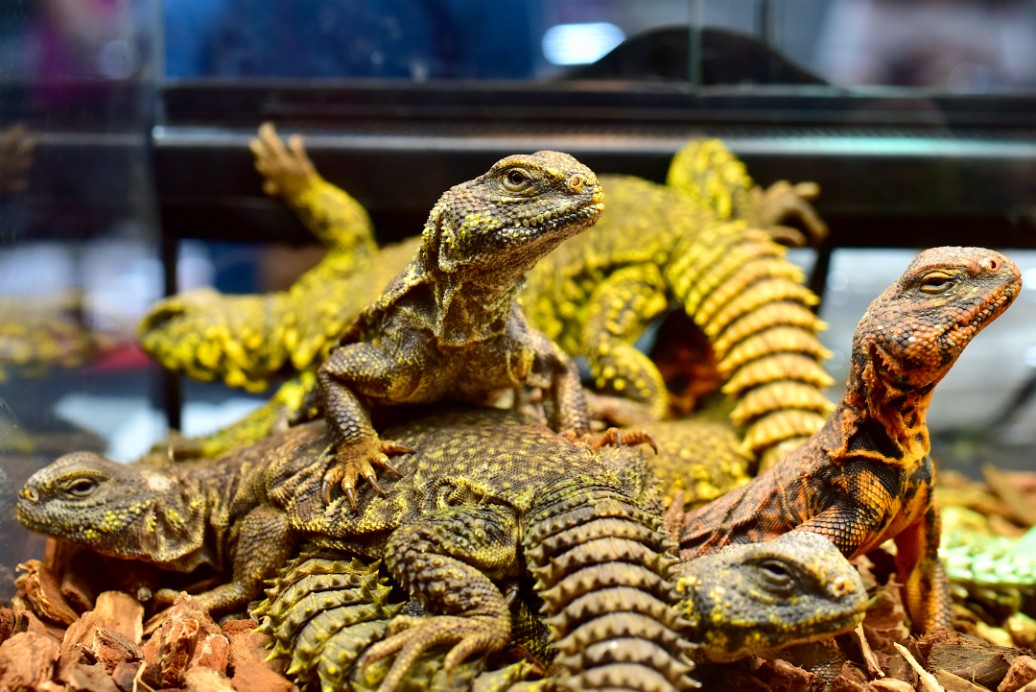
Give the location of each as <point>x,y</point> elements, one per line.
<point>878,418</point>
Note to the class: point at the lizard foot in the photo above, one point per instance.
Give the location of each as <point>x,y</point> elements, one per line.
<point>784,201</point>
<point>412,636</point>
<point>357,460</point>
<point>286,170</point>
<point>612,437</point>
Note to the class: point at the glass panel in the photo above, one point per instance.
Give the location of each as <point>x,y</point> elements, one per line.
<point>968,45</point>
<point>78,240</point>
<point>402,39</point>
<point>972,46</point>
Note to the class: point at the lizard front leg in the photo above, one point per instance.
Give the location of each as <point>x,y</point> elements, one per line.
<point>264,543</point>
<point>447,560</point>
<point>618,313</point>
<point>368,370</point>
<point>846,523</point>
<point>926,591</point>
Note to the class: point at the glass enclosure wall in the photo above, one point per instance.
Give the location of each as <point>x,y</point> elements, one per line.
<point>78,238</point>
<point>968,45</point>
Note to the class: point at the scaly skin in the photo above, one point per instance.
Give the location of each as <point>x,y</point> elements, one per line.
<point>796,589</point>
<point>323,612</point>
<point>596,295</point>
<point>716,180</point>
<point>178,517</point>
<point>466,513</point>
<point>470,512</point>
<point>698,459</point>
<point>866,476</point>
<point>597,301</point>
<point>997,562</point>
<point>449,326</point>
<point>250,341</point>
<point>489,501</point>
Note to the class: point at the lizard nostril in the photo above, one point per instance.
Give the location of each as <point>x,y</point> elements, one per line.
<point>992,265</point>
<point>576,182</point>
<point>30,494</point>
<point>840,587</point>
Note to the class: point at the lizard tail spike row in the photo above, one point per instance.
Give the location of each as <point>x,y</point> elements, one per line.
<point>602,571</point>
<point>751,303</point>
<point>322,613</point>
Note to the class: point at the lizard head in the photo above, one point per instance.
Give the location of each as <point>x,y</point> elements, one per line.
<point>505,220</point>
<point>121,510</point>
<point>912,333</point>
<point>753,598</point>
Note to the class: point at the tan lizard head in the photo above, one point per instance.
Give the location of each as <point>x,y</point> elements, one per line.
<point>514,214</point>
<point>912,333</point>
<point>121,510</point>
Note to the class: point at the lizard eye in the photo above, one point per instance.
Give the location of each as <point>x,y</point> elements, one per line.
<point>935,283</point>
<point>81,487</point>
<point>517,180</point>
<point>775,575</point>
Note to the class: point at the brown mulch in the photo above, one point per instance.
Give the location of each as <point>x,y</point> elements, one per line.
<point>56,637</point>
<point>78,624</point>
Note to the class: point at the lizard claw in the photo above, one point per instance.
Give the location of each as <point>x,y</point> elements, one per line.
<point>784,201</point>
<point>613,437</point>
<point>356,460</point>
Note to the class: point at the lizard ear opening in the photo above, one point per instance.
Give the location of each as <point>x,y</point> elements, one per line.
<point>439,240</point>
<point>171,530</point>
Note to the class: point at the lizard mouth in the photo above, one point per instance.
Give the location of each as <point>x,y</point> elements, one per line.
<point>829,627</point>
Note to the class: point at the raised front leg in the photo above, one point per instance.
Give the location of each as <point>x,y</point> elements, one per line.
<point>848,525</point>
<point>367,370</point>
<point>329,212</point>
<point>264,543</point>
<point>447,561</point>
<point>618,313</point>
<point>539,362</point>
<point>926,591</point>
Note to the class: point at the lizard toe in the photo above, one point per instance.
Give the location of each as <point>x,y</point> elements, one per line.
<point>613,437</point>
<point>415,635</point>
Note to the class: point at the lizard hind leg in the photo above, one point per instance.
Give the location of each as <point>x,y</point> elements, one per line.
<point>617,315</point>
<point>447,560</point>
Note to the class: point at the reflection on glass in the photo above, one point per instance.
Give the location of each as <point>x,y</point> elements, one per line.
<point>78,238</point>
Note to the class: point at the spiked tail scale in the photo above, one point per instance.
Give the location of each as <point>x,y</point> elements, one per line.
<point>748,299</point>
<point>602,565</point>
<point>323,612</point>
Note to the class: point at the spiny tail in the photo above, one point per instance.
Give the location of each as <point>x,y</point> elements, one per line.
<point>739,288</point>
<point>602,565</point>
<point>323,613</point>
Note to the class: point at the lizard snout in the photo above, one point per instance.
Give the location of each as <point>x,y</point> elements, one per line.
<point>29,494</point>
<point>576,183</point>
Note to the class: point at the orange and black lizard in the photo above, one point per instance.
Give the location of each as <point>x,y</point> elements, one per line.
<point>866,476</point>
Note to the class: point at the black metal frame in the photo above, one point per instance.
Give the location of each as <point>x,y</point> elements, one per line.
<point>895,170</point>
